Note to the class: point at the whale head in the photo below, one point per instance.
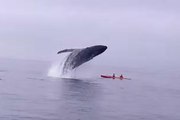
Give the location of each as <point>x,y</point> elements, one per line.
<point>94,51</point>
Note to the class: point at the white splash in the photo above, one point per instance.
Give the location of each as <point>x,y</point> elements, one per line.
<point>57,66</point>
<point>55,70</point>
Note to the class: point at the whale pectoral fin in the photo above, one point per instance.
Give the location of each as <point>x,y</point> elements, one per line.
<point>66,50</point>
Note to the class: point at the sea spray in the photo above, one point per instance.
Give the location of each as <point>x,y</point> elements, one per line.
<point>56,69</point>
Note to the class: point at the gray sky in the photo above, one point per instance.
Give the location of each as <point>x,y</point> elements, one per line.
<point>134,30</point>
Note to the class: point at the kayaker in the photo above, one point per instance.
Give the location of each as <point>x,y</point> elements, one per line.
<point>113,76</point>
<point>121,77</point>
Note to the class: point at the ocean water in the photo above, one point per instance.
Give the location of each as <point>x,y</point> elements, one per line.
<point>27,93</point>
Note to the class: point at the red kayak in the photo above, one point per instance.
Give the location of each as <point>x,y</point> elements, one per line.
<point>105,76</point>
<point>112,77</point>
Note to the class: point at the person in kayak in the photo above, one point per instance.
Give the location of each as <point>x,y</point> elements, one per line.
<point>113,76</point>
<point>121,77</point>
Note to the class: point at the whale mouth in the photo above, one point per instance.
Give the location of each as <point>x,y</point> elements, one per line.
<point>96,50</point>
<point>99,47</point>
<point>102,48</point>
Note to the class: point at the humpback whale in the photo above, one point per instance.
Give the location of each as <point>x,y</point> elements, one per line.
<point>79,56</point>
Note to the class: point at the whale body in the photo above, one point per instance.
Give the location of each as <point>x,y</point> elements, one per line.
<point>79,56</point>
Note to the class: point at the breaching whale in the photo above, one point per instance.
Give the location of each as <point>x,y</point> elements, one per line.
<point>79,56</point>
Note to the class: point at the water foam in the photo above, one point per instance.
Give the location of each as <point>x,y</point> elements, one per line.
<point>56,68</point>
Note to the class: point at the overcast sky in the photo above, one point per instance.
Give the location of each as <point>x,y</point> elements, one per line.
<point>134,30</point>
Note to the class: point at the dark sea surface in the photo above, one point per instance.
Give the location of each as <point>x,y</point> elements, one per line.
<point>27,93</point>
